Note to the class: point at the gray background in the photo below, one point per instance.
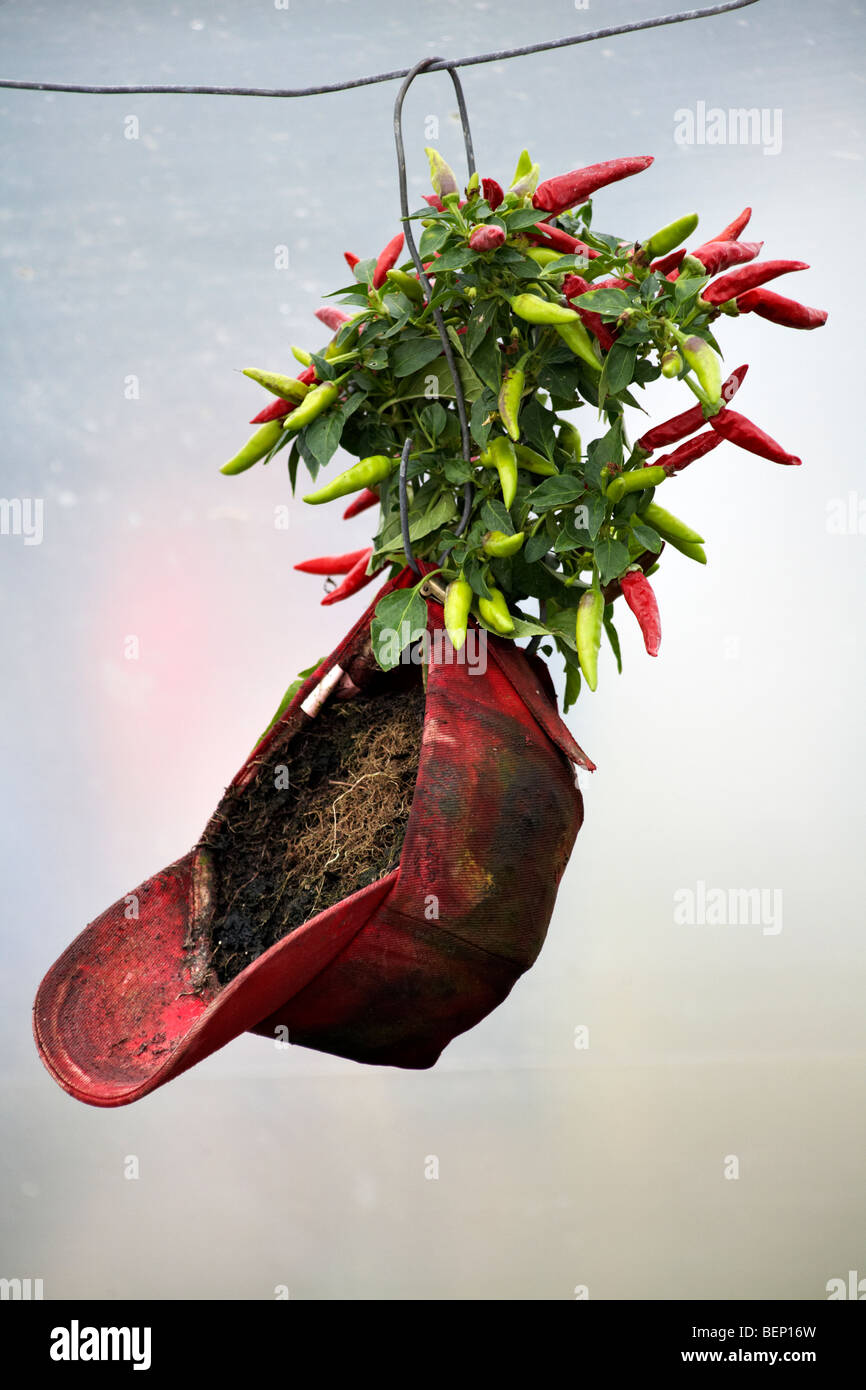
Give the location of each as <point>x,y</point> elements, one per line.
<point>735,759</point>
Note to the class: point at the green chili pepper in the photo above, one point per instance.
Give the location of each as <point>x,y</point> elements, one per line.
<point>494,611</point>
<point>311,406</point>
<point>577,338</point>
<point>302,356</point>
<point>671,363</point>
<point>286,387</point>
<point>635,481</point>
<point>542,255</point>
<point>498,544</point>
<point>534,309</point>
<point>458,600</point>
<point>569,438</point>
<point>665,240</point>
<point>367,473</point>
<point>590,619</point>
<point>693,549</point>
<point>501,455</point>
<point>510,395</point>
<point>261,443</point>
<point>533,462</point>
<point>407,284</point>
<point>669,527</point>
<point>705,364</point>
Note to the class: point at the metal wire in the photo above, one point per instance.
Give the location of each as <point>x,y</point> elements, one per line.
<point>404,507</point>
<point>436,64</point>
<point>448,351</point>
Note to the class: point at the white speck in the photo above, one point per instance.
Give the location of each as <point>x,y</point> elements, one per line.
<point>133,519</point>
<point>197,24</point>
<point>30,1189</point>
<point>66,499</point>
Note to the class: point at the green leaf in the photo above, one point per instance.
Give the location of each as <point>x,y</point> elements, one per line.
<point>322,436</point>
<point>400,619</point>
<point>473,573</point>
<point>289,696</point>
<point>596,508</point>
<point>481,322</point>
<point>457,471</point>
<point>487,362</point>
<point>435,381</point>
<point>455,259</point>
<point>434,418</point>
<point>572,686</point>
<point>536,546</point>
<point>555,492</point>
<point>495,516</point>
<point>609,303</point>
<point>619,367</point>
<point>612,635</point>
<point>528,627</point>
<point>413,354</point>
<point>479,424</point>
<point>560,379</point>
<point>612,557</point>
<point>324,369</point>
<point>365,270</point>
<point>647,537</point>
<point>432,239</point>
<point>523,217</point>
<point>536,425</point>
<point>294,460</point>
<point>688,285</point>
<point>438,513</point>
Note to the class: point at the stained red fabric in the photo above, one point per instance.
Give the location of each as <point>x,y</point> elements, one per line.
<point>389,975</point>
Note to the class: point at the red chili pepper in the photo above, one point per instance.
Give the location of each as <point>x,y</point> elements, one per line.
<point>748,277</point>
<point>356,579</point>
<point>558,240</point>
<point>568,190</point>
<point>716,256</point>
<point>738,430</point>
<point>778,309</point>
<point>435,201</point>
<point>675,429</point>
<point>275,411</point>
<point>486,237</point>
<point>638,594</point>
<point>332,318</point>
<point>333,564</point>
<point>365,499</point>
<point>387,258</point>
<point>574,285</point>
<point>611,283</point>
<point>733,229</point>
<point>351,261</point>
<point>669,262</point>
<point>492,192</point>
<point>688,452</point>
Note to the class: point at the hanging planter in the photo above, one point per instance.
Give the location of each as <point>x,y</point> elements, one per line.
<point>385,864</point>
<point>386,974</point>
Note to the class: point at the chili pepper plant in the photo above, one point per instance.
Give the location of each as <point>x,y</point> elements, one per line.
<point>557,330</point>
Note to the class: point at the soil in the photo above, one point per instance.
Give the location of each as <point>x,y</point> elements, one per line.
<point>324,815</point>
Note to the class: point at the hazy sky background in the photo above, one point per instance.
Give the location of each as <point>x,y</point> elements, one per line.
<point>734,760</point>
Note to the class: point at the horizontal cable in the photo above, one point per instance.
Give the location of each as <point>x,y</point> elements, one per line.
<point>440,65</point>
